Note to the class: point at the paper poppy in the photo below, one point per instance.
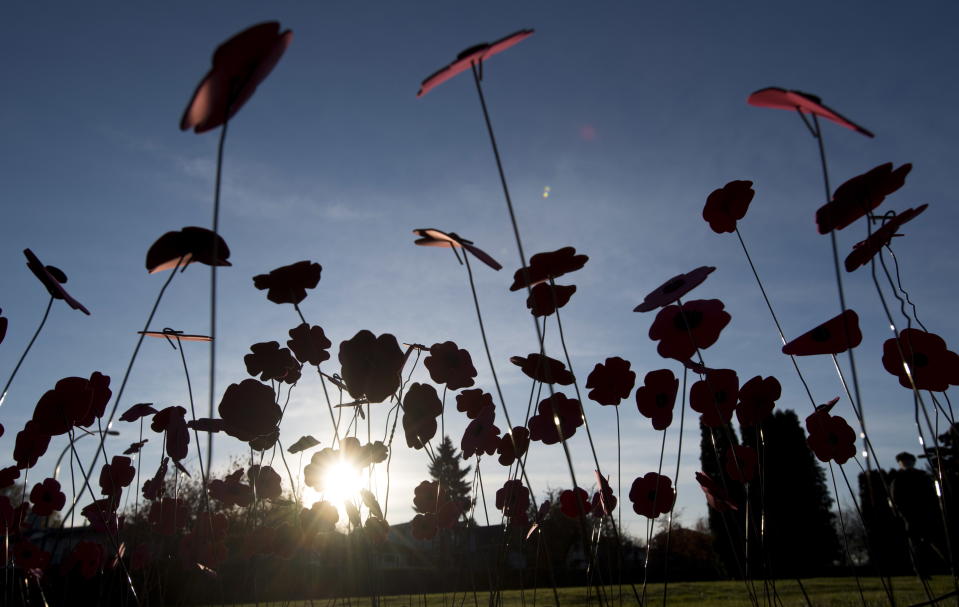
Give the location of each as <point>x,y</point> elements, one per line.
<point>480,436</point>
<point>116,475</point>
<point>513,445</point>
<point>371,365</point>
<point>742,467</point>
<point>543,427</point>
<point>727,205</point>
<point>674,289</point>
<point>611,382</point>
<point>652,495</point>
<point>544,266</point>
<point>88,557</point>
<point>932,365</point>
<point>206,424</point>
<point>513,500</point>
<point>47,498</point>
<point>8,476</point>
<point>74,401</point>
<point>860,195</point>
<point>135,447</point>
<point>604,502</point>
<point>423,526</point>
<point>757,398</point>
<point>715,397</point>
<point>656,398</point>
<point>168,515</point>
<point>288,284</point>
<point>102,515</point>
<point>321,517</point>
<point>716,497</point>
<point>266,482</point>
<point>681,330</point>
<point>27,556</point>
<point>271,362</point>
<point>830,437</point>
<point>303,443</point>
<point>574,503</point>
<point>239,66</point>
<point>544,299</point>
<point>137,411</point>
<point>309,344</point>
<point>30,445</point>
<point>828,338</point>
<point>172,422</point>
<point>153,488</point>
<point>429,496</point>
<point>543,369</point>
<point>376,529</point>
<point>421,407</point>
<point>249,410</point>
<point>865,250</point>
<point>472,402</point>
<point>473,55</point>
<point>781,99</point>
<point>450,365</point>
<point>231,491</point>
<point>53,280</point>
<point>186,246</point>
<point>431,237</point>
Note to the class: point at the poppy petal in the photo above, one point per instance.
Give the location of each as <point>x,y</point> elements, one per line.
<point>828,338</point>
<point>781,99</point>
<point>466,58</point>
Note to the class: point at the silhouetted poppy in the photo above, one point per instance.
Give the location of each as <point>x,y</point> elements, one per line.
<point>567,410</point>
<point>47,497</point>
<point>303,443</point>
<point>473,55</point>
<point>604,502</point>
<point>480,436</point>
<point>860,195</point>
<point>544,266</point>
<point>31,443</point>
<point>611,382</point>
<point>74,401</point>
<point>716,497</point>
<point>168,515</point>
<point>309,344</point>
<point>865,250</point>
<point>371,365</point>
<point>932,365</point>
<point>206,424</point>
<point>544,299</point>
<point>513,445</point>
<point>429,496</point>
<point>715,397</point>
<point>3,326</point>
<point>727,205</point>
<point>288,284</point>
<point>757,397</point>
<point>656,398</point>
<point>116,475</point>
<point>186,246</point>
<point>431,237</point>
<point>27,556</point>
<point>423,526</point>
<point>830,437</point>
<point>781,99</point>
<point>102,515</point>
<point>680,331</point>
<point>421,407</point>
<point>231,491</point>
<point>574,503</point>
<point>674,289</point>
<point>543,369</point>
<point>321,517</point>
<point>271,362</point>
<point>513,500</point>
<point>153,488</point>
<point>747,460</point>
<point>172,422</point>
<point>87,556</point>
<point>266,481</point>
<point>451,365</point>
<point>137,411</point>
<point>828,338</point>
<point>135,447</point>
<point>472,402</point>
<point>239,65</point>
<point>652,495</point>
<point>53,280</point>
<point>376,529</point>
<point>249,410</point>
<point>173,335</point>
<point>8,476</point>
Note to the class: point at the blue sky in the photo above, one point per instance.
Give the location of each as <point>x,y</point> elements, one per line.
<point>335,160</point>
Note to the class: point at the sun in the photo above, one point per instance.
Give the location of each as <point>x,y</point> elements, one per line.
<point>341,483</point>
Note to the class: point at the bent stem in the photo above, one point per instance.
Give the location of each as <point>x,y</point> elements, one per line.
<point>43,321</point>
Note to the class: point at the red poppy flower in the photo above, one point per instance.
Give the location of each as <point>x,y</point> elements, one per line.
<point>544,299</point>
<point>376,529</point>
<point>781,99</point>
<point>249,410</point>
<point>604,502</point>
<point>481,436</point>
<point>239,66</point>
<point>30,445</point>
<point>472,402</point>
<point>932,365</point>
<point>321,517</point>
<point>652,495</point>
<point>303,443</point>
<point>168,515</point>
<point>47,497</point>
<point>860,195</point>
<point>137,411</point>
<point>206,424</point>
<point>231,491</point>
<point>153,488</point>
<point>828,338</point>
<point>757,397</point>
<point>429,496</point>
<point>716,496</point>
<point>371,365</point>
<point>8,476</point>
<point>431,237</point>
<point>830,437</point>
<point>171,420</point>
<point>474,55</point>
<point>865,250</point>
<point>421,407</point>
<point>53,279</point>
<point>715,397</point>
<point>309,344</point>
<point>423,526</point>
<point>450,365</point>
<point>74,401</point>
<point>513,500</point>
<point>513,445</point>
<point>271,362</point>
<point>542,427</point>
<point>727,205</point>
<point>656,398</point>
<point>747,460</point>
<point>543,369</point>
<point>116,475</point>
<point>681,330</point>
<point>102,515</point>
<point>674,289</point>
<point>266,481</point>
<point>574,503</point>
<point>288,284</point>
<point>611,382</point>
<point>88,556</point>
<point>544,266</point>
<point>186,246</point>
<point>27,556</point>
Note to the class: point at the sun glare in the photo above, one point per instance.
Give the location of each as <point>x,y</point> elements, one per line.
<point>341,482</point>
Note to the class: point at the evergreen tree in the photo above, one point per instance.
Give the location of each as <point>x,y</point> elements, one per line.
<point>727,527</point>
<point>447,470</point>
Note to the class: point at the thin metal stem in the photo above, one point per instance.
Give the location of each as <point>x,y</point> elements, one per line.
<point>213,266</point>
<point>46,313</point>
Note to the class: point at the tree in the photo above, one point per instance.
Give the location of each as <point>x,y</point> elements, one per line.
<point>446,469</point>
<point>727,527</point>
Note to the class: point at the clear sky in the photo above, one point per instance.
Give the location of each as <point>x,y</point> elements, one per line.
<point>630,113</point>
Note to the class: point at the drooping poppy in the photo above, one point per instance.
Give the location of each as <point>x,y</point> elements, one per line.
<point>472,402</point>
<point>28,556</point>
<point>864,250</point>
<point>652,495</point>
<point>231,491</point>
<point>716,496</point>
<point>742,466</point>
<point>544,266</point>
<point>480,436</point>
<point>186,246</point>
<point>47,498</point>
<point>830,437</point>
<point>782,99</point>
<point>473,55</point>
<point>266,481</point>
<point>239,66</point>
<point>116,475</point>
<point>757,398</point>
<point>656,398</point>
<point>834,336</point>
<point>369,500</point>
<point>513,500</point>
<point>30,445</point>
<point>544,299</point>
<point>715,397</point>
<point>271,362</point>
<point>88,557</point>
<point>611,382</point>
<point>74,401</point>
<point>153,487</point>
<point>451,365</point>
<point>604,502</point>
<point>574,503</point>
<point>421,407</point>
<point>249,410</point>
<point>860,195</point>
<point>681,330</point>
<point>137,411</point>
<point>727,205</point>
<point>543,369</point>
<point>513,445</point>
<point>431,237</point>
<point>371,365</point>
<point>288,284</point>
<point>542,426</point>
<point>309,344</point>
<point>923,355</point>
<point>172,422</point>
<point>53,280</point>
<point>674,289</point>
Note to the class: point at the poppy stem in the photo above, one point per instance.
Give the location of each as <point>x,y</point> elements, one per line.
<point>326,394</point>
<point>651,522</point>
<point>43,321</point>
<point>196,434</point>
<point>216,237</point>
<point>679,454</point>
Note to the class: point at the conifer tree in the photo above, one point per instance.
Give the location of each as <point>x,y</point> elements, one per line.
<point>727,527</point>
<point>446,468</point>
